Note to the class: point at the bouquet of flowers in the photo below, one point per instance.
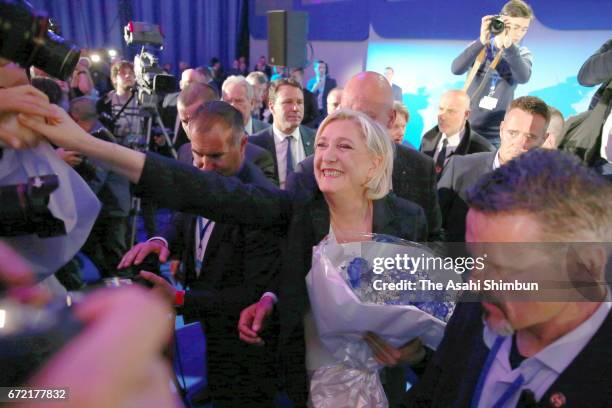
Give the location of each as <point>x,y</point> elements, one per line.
<point>355,288</point>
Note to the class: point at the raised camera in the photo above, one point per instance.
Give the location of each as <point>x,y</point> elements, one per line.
<point>497,25</point>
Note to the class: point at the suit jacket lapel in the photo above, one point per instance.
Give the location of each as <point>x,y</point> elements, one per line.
<point>464,144</point>
<point>429,145</point>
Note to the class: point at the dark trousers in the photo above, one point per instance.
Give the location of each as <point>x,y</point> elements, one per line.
<point>239,374</point>
<point>106,244</point>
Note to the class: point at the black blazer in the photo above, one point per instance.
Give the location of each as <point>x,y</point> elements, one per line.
<point>304,216</point>
<point>451,377</point>
<point>265,139</point>
<point>414,179</point>
<point>471,142</point>
<point>253,153</point>
<point>458,176</point>
<point>239,262</point>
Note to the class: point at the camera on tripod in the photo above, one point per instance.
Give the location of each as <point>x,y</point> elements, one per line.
<point>150,77</point>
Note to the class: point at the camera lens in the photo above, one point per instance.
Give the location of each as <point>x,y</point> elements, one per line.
<point>497,25</point>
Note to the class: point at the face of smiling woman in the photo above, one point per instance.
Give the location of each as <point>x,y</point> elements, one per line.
<point>343,163</point>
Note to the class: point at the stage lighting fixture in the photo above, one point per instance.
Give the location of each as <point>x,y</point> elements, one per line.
<point>95,58</point>
<point>112,53</point>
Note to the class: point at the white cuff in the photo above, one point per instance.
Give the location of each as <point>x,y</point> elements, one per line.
<point>162,239</point>
<point>270,295</point>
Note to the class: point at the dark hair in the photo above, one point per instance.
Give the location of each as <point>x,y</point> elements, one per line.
<point>118,66</point>
<point>564,196</point>
<point>196,91</point>
<point>213,112</point>
<point>531,104</point>
<point>517,8</point>
<point>49,87</point>
<point>320,61</point>
<point>274,85</point>
<point>83,108</point>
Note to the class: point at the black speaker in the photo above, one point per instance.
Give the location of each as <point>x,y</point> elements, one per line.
<point>287,37</point>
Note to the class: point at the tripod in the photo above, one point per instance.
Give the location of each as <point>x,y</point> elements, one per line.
<point>147,110</point>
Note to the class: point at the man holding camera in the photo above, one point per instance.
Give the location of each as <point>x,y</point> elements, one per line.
<point>498,65</point>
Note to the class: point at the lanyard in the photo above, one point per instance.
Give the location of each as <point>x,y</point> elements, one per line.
<point>514,387</point>
<point>203,227</point>
<point>494,75</point>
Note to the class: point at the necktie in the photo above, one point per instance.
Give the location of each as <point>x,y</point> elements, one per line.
<point>441,157</point>
<point>288,139</point>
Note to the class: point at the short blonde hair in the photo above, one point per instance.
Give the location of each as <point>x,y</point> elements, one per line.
<point>401,109</point>
<point>378,142</point>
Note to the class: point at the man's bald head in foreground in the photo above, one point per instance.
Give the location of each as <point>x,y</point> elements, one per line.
<point>370,93</point>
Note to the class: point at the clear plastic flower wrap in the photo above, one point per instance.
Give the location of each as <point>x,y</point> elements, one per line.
<point>364,286</point>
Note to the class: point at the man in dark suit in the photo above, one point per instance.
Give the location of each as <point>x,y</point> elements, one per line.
<point>523,128</point>
<point>321,85</point>
<point>398,94</point>
<point>227,266</point>
<point>239,93</point>
<point>453,135</point>
<point>413,172</point>
<point>189,100</point>
<point>287,140</point>
<point>311,110</point>
<point>532,353</point>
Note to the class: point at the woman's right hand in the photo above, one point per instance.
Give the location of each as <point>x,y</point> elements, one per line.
<point>59,128</point>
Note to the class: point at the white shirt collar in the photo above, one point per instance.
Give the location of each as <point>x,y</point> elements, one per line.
<point>453,140</point>
<point>249,127</point>
<point>280,136</point>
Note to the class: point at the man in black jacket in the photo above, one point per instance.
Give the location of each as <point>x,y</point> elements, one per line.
<point>227,266</point>
<point>453,134</point>
<point>532,352</point>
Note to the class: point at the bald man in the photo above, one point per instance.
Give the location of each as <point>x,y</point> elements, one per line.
<point>414,178</point>
<point>453,134</point>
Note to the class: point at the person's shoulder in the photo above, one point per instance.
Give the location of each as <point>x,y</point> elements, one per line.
<point>473,161</point>
<point>252,174</point>
<point>402,206</point>
<point>414,157</point>
<point>479,143</point>
<point>262,137</point>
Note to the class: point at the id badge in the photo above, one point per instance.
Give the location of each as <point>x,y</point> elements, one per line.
<point>488,103</point>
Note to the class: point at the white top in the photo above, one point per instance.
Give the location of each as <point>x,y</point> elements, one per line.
<point>297,150</point>
<point>249,127</point>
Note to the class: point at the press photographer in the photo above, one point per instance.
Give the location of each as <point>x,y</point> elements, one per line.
<point>498,63</point>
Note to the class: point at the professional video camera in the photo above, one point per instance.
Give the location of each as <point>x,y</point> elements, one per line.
<point>150,77</point>
<point>497,25</point>
<point>25,38</point>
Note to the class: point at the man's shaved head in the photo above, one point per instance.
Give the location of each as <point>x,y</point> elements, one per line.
<point>370,92</point>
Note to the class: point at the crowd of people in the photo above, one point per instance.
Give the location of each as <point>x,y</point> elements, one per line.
<point>267,167</point>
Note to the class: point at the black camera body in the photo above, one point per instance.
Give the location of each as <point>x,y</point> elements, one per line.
<point>497,25</point>
<point>25,38</point>
<point>25,208</point>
